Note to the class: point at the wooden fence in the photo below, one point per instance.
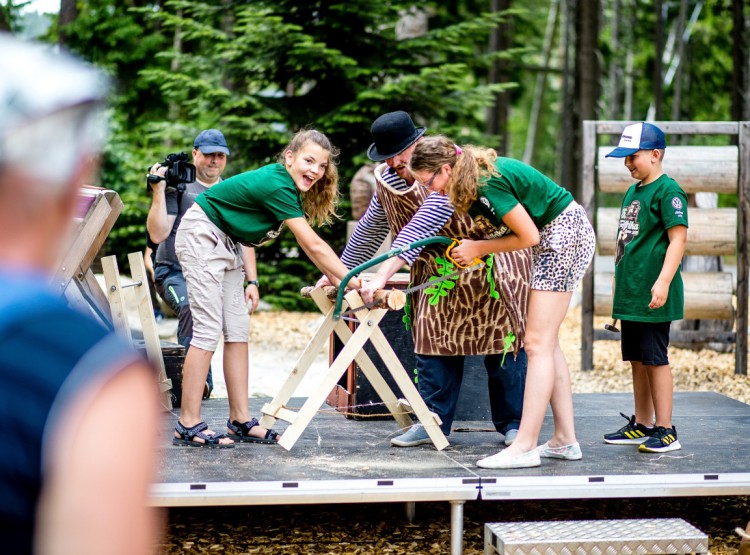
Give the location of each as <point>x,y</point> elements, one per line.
<point>713,232</point>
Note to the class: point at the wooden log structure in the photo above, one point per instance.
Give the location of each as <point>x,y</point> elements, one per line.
<point>711,231</point>
<point>695,168</point>
<point>390,299</point>
<point>708,295</point>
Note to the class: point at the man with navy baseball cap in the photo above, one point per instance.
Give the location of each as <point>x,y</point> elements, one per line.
<point>211,141</point>
<point>638,136</point>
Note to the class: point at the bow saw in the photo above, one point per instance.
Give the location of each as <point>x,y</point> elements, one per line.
<point>437,240</point>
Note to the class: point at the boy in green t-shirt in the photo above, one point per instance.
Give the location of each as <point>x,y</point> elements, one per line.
<point>648,293</point>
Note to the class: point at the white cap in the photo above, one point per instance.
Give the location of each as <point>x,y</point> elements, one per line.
<point>49,110</point>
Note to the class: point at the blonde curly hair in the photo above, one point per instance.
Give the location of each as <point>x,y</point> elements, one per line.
<point>321,200</point>
<point>471,165</point>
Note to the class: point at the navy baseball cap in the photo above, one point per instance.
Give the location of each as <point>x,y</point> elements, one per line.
<point>210,141</point>
<point>638,136</point>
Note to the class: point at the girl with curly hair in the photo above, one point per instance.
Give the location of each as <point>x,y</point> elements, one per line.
<point>247,209</point>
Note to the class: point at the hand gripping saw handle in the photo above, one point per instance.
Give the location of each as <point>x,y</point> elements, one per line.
<point>437,240</point>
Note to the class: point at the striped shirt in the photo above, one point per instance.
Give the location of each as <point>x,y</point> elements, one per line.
<point>373,227</point>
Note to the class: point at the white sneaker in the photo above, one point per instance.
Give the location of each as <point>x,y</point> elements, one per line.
<point>504,460</point>
<point>510,436</point>
<point>570,452</point>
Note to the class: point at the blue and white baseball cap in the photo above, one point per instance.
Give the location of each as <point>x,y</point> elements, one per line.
<point>638,136</point>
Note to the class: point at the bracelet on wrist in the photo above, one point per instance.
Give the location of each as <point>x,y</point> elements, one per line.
<point>252,282</point>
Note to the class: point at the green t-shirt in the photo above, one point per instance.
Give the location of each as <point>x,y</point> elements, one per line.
<point>542,198</point>
<point>251,207</point>
<point>646,215</point>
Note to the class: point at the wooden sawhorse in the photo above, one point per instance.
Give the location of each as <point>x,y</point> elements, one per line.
<point>118,310</point>
<point>352,351</point>
<point>96,214</point>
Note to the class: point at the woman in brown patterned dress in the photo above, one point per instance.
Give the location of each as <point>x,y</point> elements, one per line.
<point>473,314</point>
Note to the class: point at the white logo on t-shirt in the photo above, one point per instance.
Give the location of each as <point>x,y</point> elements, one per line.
<point>676,203</point>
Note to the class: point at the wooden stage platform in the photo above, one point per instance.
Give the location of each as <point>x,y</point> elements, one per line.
<point>339,460</point>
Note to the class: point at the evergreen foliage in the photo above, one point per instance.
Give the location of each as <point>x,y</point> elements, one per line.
<point>261,69</point>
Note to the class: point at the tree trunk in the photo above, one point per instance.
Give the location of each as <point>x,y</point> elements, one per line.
<point>541,83</point>
<point>173,109</point>
<point>680,38</point>
<point>585,87</point>
<point>567,143</point>
<point>741,65</point>
<point>68,14</point>
<point>628,108</point>
<point>658,76</point>
<point>227,27</point>
<point>497,116</point>
<point>615,67</point>
<point>4,18</point>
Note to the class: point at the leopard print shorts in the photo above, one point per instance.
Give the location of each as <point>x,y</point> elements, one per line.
<point>566,247</point>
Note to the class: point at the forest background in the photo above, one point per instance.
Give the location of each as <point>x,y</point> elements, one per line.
<point>517,76</point>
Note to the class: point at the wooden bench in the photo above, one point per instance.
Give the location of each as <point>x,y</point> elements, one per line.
<point>711,232</point>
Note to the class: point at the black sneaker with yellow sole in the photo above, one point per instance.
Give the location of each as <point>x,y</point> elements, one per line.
<point>631,433</point>
<point>661,441</point>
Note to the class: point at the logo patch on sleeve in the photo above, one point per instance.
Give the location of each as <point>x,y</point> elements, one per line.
<point>677,203</point>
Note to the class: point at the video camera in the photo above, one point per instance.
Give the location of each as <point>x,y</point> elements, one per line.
<point>180,172</point>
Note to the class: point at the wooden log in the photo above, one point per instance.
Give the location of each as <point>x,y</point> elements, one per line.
<point>329,290</point>
<point>695,168</point>
<point>708,295</point>
<point>711,231</point>
<point>615,127</point>
<point>391,299</point>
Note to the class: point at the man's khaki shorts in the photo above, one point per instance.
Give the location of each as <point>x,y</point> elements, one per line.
<point>213,269</point>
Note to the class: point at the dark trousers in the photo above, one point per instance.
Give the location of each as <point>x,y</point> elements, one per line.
<point>170,284</point>
<point>439,383</point>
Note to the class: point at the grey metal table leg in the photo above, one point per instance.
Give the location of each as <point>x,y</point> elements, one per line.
<point>457,527</point>
<point>411,511</point>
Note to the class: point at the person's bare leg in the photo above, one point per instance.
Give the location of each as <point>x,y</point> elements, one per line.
<point>562,403</point>
<point>546,312</point>
<point>643,399</point>
<point>662,391</point>
<point>236,378</point>
<point>194,373</point>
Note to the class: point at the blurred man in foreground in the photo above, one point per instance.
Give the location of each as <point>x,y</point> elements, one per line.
<point>78,405</point>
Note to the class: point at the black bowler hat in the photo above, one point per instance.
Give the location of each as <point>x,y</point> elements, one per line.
<point>393,133</point>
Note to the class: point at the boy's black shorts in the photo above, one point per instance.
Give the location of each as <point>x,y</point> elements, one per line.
<point>645,342</point>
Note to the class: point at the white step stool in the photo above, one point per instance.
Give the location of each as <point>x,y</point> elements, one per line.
<point>594,537</point>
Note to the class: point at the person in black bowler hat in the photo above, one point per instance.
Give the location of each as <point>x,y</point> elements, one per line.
<point>478,316</point>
